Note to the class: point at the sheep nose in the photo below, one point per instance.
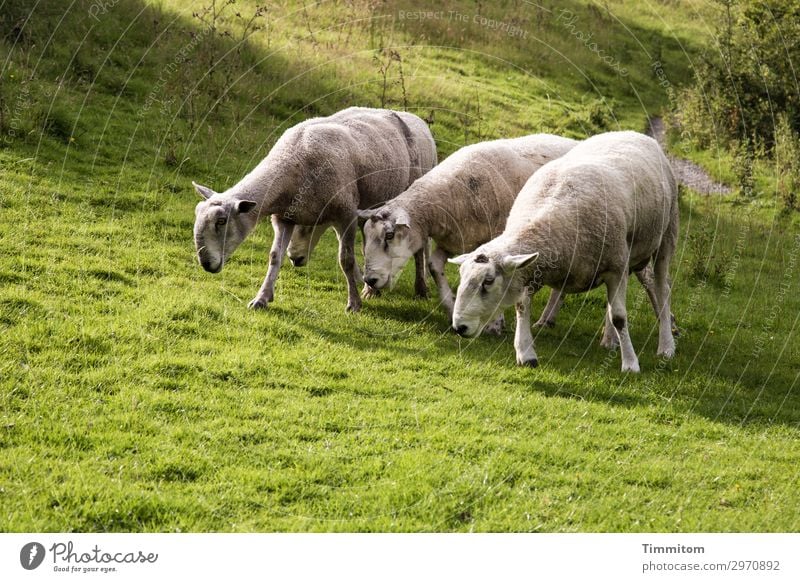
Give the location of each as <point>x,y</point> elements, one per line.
<point>371,281</point>
<point>461,329</point>
<point>206,264</point>
<point>298,261</point>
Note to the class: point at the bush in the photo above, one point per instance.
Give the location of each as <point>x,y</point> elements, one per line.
<point>743,162</point>
<point>746,77</point>
<point>787,162</point>
<point>704,263</point>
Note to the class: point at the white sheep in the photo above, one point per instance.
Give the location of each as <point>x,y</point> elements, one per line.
<point>460,204</point>
<point>320,171</point>
<point>606,208</point>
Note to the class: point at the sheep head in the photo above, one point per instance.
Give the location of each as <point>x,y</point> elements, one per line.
<point>221,224</point>
<point>485,288</point>
<point>389,241</point>
<point>304,240</point>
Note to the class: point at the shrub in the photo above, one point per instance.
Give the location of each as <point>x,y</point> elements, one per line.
<point>787,161</point>
<point>705,264</point>
<point>743,162</point>
<point>746,77</point>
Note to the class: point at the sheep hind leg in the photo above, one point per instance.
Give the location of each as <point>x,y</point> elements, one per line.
<point>548,316</point>
<point>283,234</point>
<point>610,340</point>
<point>646,277</point>
<point>348,264</point>
<point>617,286</point>
<point>666,339</point>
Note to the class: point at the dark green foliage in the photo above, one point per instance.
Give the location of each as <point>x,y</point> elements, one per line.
<point>706,262</point>
<point>787,162</point>
<point>747,76</point>
<point>743,167</point>
<point>746,96</point>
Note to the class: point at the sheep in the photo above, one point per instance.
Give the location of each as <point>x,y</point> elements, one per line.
<point>320,171</point>
<point>460,204</point>
<point>607,207</point>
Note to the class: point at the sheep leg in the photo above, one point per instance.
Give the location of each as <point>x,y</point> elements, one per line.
<point>548,317</point>
<point>347,261</point>
<point>420,280</point>
<point>666,341</point>
<point>647,279</point>
<point>280,241</point>
<point>617,287</point>
<point>610,340</point>
<point>523,339</point>
<point>436,264</point>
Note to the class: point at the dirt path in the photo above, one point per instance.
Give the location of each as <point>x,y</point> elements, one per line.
<point>688,173</point>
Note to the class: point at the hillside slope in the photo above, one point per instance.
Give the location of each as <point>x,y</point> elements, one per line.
<point>137,392</point>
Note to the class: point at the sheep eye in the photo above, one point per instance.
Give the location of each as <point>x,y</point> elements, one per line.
<point>221,221</point>
<point>390,235</point>
<point>488,281</point>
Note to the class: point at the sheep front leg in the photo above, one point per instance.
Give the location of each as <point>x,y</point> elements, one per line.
<point>347,261</point>
<point>523,339</point>
<point>548,317</point>
<point>436,263</point>
<point>283,234</point>
<point>617,287</point>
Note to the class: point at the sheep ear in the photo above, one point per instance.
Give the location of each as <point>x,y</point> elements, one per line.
<point>519,261</point>
<point>244,206</point>
<point>459,259</point>
<point>402,219</point>
<point>366,214</point>
<point>204,191</point>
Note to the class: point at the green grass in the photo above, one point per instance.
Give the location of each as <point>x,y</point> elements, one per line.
<point>137,392</point>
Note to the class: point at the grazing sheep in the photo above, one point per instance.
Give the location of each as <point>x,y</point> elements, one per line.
<point>460,204</point>
<point>606,208</point>
<point>320,171</point>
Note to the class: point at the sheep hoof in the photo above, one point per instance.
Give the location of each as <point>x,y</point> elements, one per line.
<point>542,323</point>
<point>633,368</point>
<point>667,354</point>
<point>530,363</point>
<point>421,293</point>
<point>258,304</point>
<point>353,306</point>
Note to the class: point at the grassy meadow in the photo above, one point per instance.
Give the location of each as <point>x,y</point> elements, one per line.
<point>138,393</point>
